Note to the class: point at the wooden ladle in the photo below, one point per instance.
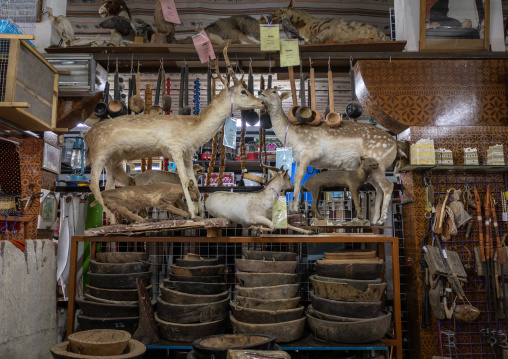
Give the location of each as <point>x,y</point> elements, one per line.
<point>316,115</point>
<point>136,102</point>
<point>333,118</point>
<point>303,113</point>
<point>292,111</point>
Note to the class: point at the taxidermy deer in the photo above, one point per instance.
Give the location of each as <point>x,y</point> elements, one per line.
<point>319,30</point>
<point>350,179</point>
<point>160,195</point>
<point>337,148</point>
<point>152,176</point>
<point>252,210</point>
<point>174,136</point>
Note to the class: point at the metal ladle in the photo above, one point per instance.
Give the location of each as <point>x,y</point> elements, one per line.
<point>136,102</point>
<point>354,109</point>
<point>303,113</point>
<point>316,115</point>
<point>292,111</point>
<point>333,119</point>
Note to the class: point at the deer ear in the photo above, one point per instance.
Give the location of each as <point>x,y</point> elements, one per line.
<point>272,174</point>
<point>291,4</point>
<point>285,95</point>
<point>262,20</point>
<point>276,88</point>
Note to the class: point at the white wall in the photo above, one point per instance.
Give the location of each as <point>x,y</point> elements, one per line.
<point>45,32</point>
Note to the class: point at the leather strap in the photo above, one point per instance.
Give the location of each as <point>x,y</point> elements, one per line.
<point>496,228</point>
<point>480,223</point>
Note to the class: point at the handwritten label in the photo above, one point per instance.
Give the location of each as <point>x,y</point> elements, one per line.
<point>284,157</point>
<point>280,212</point>
<point>203,47</point>
<point>269,37</point>
<point>169,11</point>
<point>289,53</point>
<point>230,133</point>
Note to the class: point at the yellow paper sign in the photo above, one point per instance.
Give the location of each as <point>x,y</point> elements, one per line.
<point>269,36</point>
<point>289,53</point>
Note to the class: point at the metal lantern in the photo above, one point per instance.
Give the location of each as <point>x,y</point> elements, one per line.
<point>78,163</point>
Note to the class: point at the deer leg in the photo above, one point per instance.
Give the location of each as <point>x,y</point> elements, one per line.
<point>95,173</point>
<point>301,168</point>
<point>184,180</point>
<point>260,220</point>
<point>121,176</point>
<point>316,195</point>
<point>383,202</point>
<point>354,194</point>
<point>110,178</point>
<point>300,230</point>
<point>167,206</point>
<point>124,211</point>
<point>191,175</point>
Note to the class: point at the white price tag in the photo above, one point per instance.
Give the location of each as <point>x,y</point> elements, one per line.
<point>505,217</point>
<point>230,133</point>
<point>284,158</point>
<point>444,254</point>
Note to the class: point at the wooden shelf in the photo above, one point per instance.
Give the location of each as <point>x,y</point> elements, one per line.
<point>454,168</point>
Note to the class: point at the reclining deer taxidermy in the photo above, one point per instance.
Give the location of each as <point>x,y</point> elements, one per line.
<point>174,136</point>
<point>335,148</point>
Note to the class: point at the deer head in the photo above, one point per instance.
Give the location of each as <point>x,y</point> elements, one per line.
<point>113,8</point>
<point>241,98</point>
<point>271,98</point>
<point>279,179</point>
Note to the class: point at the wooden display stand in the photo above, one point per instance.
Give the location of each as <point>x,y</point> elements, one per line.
<point>330,238</point>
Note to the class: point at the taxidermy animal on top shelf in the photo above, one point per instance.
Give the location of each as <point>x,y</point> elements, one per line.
<point>160,195</point>
<point>174,136</point>
<point>66,32</point>
<point>315,30</point>
<point>350,179</point>
<point>121,23</point>
<point>252,210</point>
<point>165,33</point>
<point>152,176</point>
<point>338,148</point>
<point>237,29</point>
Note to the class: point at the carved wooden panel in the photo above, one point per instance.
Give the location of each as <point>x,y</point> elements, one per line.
<point>434,92</point>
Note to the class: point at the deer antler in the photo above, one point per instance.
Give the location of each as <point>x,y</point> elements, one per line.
<point>217,72</point>
<point>230,68</point>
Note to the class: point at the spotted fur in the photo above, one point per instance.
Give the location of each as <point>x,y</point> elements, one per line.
<point>319,30</point>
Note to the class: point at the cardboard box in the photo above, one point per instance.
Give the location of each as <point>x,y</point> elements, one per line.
<point>446,157</point>
<point>471,156</point>
<point>227,181</point>
<point>423,153</point>
<point>439,155</point>
<point>495,155</point>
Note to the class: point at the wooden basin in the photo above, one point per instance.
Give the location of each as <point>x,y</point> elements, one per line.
<point>103,310</point>
<point>258,316</point>
<point>269,255</point>
<point>348,290</point>
<point>121,257</point>
<point>118,268</point>
<point>115,294</point>
<point>264,279</point>
<point>350,254</point>
<point>217,346</point>
<point>196,287</point>
<point>129,324</point>
<point>99,342</point>
<point>192,313</point>
<point>207,279</point>
<point>283,291</point>
<point>202,271</point>
<point>173,296</point>
<point>267,304</point>
<point>188,332</point>
<point>118,281</point>
<point>206,261</point>
<point>350,269</point>
<point>363,331</point>
<point>283,332</point>
<point>345,309</point>
<point>333,318</point>
<point>261,266</point>
<point>107,301</point>
<point>134,350</point>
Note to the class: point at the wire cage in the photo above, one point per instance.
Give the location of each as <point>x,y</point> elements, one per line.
<point>18,16</point>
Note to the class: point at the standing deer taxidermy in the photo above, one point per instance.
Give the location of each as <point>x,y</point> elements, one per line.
<point>174,136</point>
<point>337,148</point>
<point>252,210</point>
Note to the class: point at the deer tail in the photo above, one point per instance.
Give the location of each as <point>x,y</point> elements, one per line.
<point>396,169</point>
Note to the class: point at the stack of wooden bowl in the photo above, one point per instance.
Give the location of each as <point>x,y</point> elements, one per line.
<point>194,300</point>
<point>111,298</point>
<point>266,301</point>
<point>217,346</point>
<point>99,343</point>
<point>346,305</point>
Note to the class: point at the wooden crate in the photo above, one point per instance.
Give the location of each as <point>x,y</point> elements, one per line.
<point>29,85</point>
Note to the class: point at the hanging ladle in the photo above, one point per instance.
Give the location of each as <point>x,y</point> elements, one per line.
<point>265,120</point>
<point>117,107</point>
<point>186,111</point>
<point>303,113</point>
<point>156,109</point>
<point>316,115</point>
<point>292,111</point>
<point>333,119</point>
<point>251,116</point>
<point>136,102</point>
<point>166,99</point>
<point>101,109</point>
<point>354,109</point>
